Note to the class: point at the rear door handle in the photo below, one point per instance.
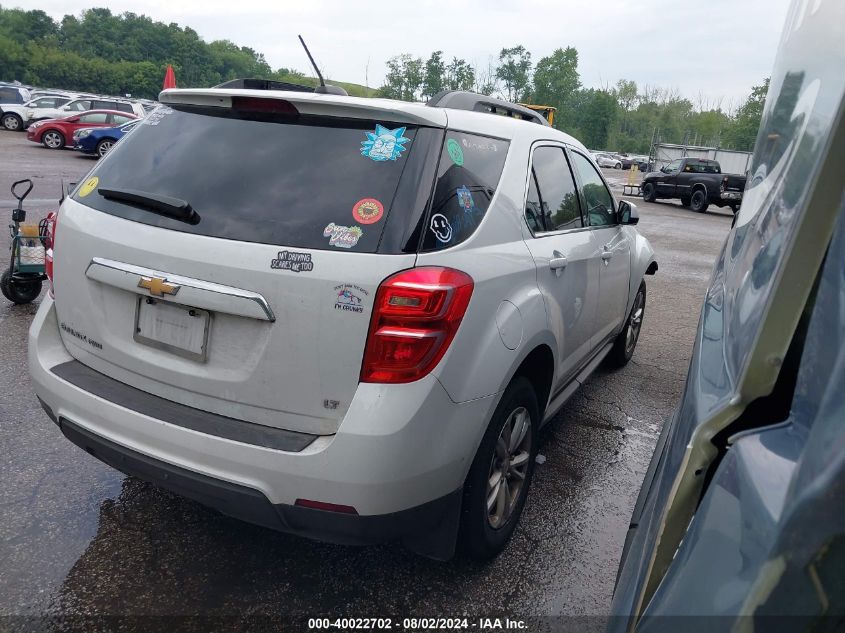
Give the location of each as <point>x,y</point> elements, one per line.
<point>606,254</point>
<point>558,262</point>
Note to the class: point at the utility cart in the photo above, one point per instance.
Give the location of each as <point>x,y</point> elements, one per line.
<point>21,282</point>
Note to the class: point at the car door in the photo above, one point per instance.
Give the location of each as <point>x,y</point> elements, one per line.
<point>613,260</point>
<point>563,250</point>
<point>666,183</point>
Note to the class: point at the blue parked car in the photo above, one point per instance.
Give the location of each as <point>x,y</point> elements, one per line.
<point>740,523</point>
<point>98,141</point>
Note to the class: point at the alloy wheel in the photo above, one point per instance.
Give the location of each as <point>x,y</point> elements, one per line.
<point>508,468</point>
<point>103,147</point>
<point>11,123</point>
<point>53,140</point>
<point>635,323</point>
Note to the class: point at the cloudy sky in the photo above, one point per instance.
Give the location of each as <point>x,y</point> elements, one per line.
<point>718,48</point>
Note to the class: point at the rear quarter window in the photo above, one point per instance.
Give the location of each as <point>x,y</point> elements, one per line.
<point>468,174</point>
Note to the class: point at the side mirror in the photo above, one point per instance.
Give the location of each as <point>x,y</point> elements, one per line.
<point>663,169</point>
<point>628,213</point>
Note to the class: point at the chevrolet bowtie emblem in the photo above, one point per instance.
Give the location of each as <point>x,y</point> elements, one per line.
<point>158,287</point>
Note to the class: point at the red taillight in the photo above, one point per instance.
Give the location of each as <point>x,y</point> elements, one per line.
<point>322,505</point>
<point>49,244</point>
<point>415,317</point>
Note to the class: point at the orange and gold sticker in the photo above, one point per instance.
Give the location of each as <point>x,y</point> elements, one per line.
<point>368,211</point>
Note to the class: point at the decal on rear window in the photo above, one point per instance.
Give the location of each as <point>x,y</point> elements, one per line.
<point>441,228</point>
<point>455,152</point>
<point>465,199</point>
<point>293,261</point>
<point>368,211</point>
<point>342,236</point>
<point>88,186</point>
<point>154,117</point>
<point>384,144</point>
<point>349,298</point>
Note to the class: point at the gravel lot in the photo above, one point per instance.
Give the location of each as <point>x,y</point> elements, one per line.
<point>78,538</point>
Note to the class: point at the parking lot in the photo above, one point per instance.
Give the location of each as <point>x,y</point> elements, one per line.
<point>78,538</point>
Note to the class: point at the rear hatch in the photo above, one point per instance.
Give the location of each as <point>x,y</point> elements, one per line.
<point>227,257</point>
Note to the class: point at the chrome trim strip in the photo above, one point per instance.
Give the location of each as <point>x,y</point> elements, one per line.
<point>218,298</point>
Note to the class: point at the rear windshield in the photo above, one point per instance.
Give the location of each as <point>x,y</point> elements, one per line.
<point>292,180</point>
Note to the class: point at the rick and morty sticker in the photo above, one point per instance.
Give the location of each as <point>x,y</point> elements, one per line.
<point>384,144</point>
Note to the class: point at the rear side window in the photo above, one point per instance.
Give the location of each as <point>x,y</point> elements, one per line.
<point>94,117</point>
<point>79,106</point>
<point>558,194</point>
<point>10,95</point>
<point>467,177</point>
<point>281,179</point>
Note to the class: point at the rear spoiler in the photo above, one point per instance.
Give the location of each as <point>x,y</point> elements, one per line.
<point>314,103</point>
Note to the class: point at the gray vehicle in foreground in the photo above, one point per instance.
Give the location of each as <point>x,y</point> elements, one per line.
<point>740,523</point>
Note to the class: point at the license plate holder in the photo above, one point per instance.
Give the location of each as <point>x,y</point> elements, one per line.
<point>173,327</point>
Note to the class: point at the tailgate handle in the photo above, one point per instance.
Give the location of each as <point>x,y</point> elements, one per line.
<point>192,292</point>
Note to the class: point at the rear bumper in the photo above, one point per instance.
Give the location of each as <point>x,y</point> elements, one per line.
<point>731,196</point>
<point>413,525</point>
<point>399,457</point>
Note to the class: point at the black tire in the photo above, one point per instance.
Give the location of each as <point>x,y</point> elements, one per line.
<point>685,200</point>
<point>104,146</point>
<point>623,349</point>
<point>17,292</point>
<point>649,192</point>
<point>12,122</point>
<point>48,135</point>
<point>698,201</point>
<point>478,538</point>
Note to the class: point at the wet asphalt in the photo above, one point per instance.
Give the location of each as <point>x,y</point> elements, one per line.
<point>78,538</point>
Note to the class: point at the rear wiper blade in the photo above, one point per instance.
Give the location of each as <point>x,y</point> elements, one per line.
<point>175,208</point>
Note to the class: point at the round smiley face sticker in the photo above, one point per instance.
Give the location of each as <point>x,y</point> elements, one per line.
<point>368,211</point>
<point>455,152</point>
<point>88,186</point>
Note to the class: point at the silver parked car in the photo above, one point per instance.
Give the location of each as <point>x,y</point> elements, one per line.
<point>350,324</point>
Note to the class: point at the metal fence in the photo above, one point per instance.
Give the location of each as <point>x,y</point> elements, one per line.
<point>732,162</point>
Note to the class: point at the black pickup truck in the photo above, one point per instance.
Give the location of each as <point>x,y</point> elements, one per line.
<point>698,182</point>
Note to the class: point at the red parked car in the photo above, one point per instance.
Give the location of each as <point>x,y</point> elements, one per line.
<point>55,133</point>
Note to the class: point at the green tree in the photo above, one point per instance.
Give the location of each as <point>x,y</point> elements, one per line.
<point>434,77</point>
<point>459,75</point>
<point>515,72</point>
<point>404,77</point>
<point>594,117</point>
<point>743,133</point>
<point>557,82</point>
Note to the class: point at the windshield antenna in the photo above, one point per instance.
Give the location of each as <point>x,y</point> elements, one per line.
<point>322,88</point>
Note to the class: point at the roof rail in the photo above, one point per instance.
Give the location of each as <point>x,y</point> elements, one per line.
<point>269,84</point>
<point>463,100</point>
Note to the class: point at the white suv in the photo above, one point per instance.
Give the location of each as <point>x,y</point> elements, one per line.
<point>339,317</point>
<point>42,109</point>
